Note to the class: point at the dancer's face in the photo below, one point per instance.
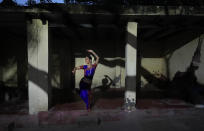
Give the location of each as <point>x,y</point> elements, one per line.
<point>87,60</point>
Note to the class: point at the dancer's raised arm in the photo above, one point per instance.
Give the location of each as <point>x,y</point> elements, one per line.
<point>97,57</point>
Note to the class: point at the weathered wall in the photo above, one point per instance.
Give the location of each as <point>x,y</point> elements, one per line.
<point>13,56</point>
<point>9,72</point>
<point>181,59</point>
<point>153,66</point>
<point>111,63</point>
<point>117,74</point>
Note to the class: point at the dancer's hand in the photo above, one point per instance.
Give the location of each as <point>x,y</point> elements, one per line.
<point>91,51</point>
<point>73,71</point>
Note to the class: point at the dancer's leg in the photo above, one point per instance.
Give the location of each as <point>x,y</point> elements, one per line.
<point>90,96</point>
<point>85,97</point>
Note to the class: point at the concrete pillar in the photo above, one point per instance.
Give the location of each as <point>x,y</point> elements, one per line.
<point>66,70</point>
<point>1,73</point>
<point>118,68</point>
<point>38,75</point>
<point>130,66</point>
<point>21,65</point>
<point>1,84</point>
<point>118,75</point>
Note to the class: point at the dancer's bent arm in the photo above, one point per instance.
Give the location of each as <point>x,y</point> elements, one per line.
<point>97,57</point>
<point>76,68</point>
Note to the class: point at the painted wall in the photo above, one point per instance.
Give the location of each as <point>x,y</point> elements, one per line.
<point>153,66</point>
<point>181,59</point>
<point>112,63</point>
<point>9,72</point>
<point>116,73</point>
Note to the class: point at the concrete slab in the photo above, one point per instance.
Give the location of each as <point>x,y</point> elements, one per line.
<point>142,120</point>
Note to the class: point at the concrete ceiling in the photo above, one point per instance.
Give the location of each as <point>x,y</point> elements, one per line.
<point>156,33</point>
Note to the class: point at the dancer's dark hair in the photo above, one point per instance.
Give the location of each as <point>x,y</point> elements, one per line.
<point>89,56</point>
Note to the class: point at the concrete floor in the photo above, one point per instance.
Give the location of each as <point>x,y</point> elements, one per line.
<point>107,114</point>
<point>190,119</point>
<point>150,115</point>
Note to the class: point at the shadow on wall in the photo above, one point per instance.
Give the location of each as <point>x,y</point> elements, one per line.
<point>112,63</point>
<point>177,41</point>
<point>183,86</point>
<point>8,81</point>
<point>10,72</point>
<point>167,44</point>
<point>55,95</point>
<point>10,94</point>
<point>106,83</point>
<point>105,92</point>
<point>156,87</point>
<point>40,79</point>
<point>152,79</point>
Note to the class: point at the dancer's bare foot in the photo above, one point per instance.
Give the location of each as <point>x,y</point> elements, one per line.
<point>89,110</point>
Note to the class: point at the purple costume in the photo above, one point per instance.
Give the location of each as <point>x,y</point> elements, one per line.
<point>85,83</point>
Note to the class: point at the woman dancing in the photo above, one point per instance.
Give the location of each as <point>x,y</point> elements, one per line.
<point>86,81</point>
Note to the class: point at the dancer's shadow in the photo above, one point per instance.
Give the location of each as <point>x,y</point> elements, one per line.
<point>106,83</point>
<point>100,91</point>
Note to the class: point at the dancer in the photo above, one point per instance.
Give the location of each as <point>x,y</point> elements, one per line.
<point>86,81</point>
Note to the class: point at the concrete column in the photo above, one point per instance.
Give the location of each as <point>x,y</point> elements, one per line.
<point>21,65</point>
<point>118,75</point>
<point>1,84</point>
<point>66,70</point>
<point>130,66</point>
<point>38,75</point>
<point>1,73</point>
<point>118,68</point>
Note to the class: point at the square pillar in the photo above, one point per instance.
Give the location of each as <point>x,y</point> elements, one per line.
<point>38,75</point>
<point>66,70</point>
<point>1,73</point>
<point>130,66</point>
<point>118,75</point>
<point>22,65</point>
